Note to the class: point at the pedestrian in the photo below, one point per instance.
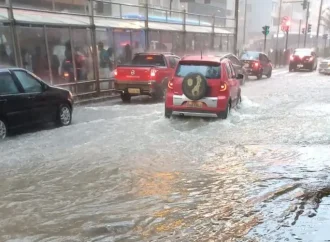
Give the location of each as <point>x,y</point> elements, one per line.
<point>104,60</point>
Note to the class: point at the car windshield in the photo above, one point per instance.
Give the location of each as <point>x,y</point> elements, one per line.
<point>302,52</point>
<point>250,56</point>
<point>209,70</point>
<point>148,60</point>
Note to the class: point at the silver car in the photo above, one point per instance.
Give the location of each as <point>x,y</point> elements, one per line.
<point>324,67</point>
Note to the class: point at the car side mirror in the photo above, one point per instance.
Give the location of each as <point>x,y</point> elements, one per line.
<point>44,87</point>
<point>239,77</point>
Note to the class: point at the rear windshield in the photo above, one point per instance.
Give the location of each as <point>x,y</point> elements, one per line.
<point>209,70</point>
<point>148,60</point>
<point>302,52</point>
<point>250,56</point>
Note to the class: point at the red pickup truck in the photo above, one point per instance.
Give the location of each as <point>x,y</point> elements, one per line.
<point>147,74</point>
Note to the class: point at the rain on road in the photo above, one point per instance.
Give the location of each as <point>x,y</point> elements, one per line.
<point>125,173</point>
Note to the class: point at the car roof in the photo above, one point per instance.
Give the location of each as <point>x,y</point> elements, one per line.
<point>4,68</point>
<point>155,53</point>
<point>201,58</point>
<point>304,49</point>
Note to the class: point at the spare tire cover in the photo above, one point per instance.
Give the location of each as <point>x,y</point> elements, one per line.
<point>194,86</point>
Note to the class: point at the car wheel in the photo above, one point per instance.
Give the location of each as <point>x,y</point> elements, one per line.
<point>224,114</point>
<point>64,116</point>
<point>269,75</point>
<point>168,113</point>
<point>243,80</point>
<point>239,99</point>
<point>3,129</point>
<point>125,97</point>
<point>259,76</point>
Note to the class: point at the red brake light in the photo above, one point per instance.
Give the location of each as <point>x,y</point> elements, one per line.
<point>170,84</point>
<point>223,87</point>
<point>150,57</point>
<point>291,57</point>
<point>115,72</point>
<point>153,72</point>
<point>66,74</point>
<point>256,64</point>
<point>311,58</point>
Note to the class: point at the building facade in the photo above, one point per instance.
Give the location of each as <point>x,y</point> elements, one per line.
<point>61,40</point>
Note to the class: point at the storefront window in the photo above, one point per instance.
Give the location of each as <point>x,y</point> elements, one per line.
<point>154,40</point>
<point>138,39</point>
<point>123,45</point>
<point>7,56</point>
<point>36,4</point>
<point>60,55</point>
<point>105,52</point>
<point>203,42</point>
<point>72,6</point>
<point>83,51</point>
<point>190,43</point>
<point>177,45</point>
<point>33,51</point>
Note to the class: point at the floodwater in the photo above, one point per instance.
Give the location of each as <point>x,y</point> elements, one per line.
<point>122,172</point>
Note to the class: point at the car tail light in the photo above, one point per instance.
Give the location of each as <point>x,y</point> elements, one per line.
<point>291,57</point>
<point>66,74</point>
<point>115,72</point>
<point>311,58</point>
<point>170,84</point>
<point>153,72</point>
<point>223,87</point>
<point>256,64</point>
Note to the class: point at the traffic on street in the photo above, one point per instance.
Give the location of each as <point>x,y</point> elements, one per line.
<point>123,172</point>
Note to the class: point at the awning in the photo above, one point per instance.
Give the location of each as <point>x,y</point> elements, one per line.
<point>37,17</point>
<point>118,23</point>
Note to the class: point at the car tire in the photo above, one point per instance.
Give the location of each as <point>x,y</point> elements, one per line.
<point>125,97</point>
<point>188,86</point>
<point>167,113</point>
<point>64,115</point>
<point>239,99</point>
<point>269,75</point>
<point>3,129</point>
<point>242,82</point>
<point>259,76</point>
<point>224,114</point>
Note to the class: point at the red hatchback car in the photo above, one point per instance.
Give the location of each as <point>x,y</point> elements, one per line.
<point>203,86</point>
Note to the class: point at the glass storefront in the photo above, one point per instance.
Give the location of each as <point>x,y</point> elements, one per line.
<point>7,56</point>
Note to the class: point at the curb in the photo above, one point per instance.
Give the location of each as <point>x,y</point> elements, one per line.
<point>95,100</point>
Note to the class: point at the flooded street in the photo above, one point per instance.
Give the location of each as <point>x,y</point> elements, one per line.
<point>125,173</point>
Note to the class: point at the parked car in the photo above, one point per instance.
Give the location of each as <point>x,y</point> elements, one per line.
<point>324,67</point>
<point>237,64</point>
<point>204,87</point>
<point>257,64</point>
<point>303,58</point>
<point>25,99</point>
<point>148,74</point>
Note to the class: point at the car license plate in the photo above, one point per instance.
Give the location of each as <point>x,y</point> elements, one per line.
<point>246,65</point>
<point>134,90</point>
<point>300,65</point>
<point>195,104</point>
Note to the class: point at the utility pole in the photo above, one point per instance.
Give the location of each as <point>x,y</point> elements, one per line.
<point>278,31</point>
<point>318,27</point>
<point>286,39</point>
<point>306,26</point>
<point>244,30</point>
<point>236,25</point>
<point>299,33</point>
